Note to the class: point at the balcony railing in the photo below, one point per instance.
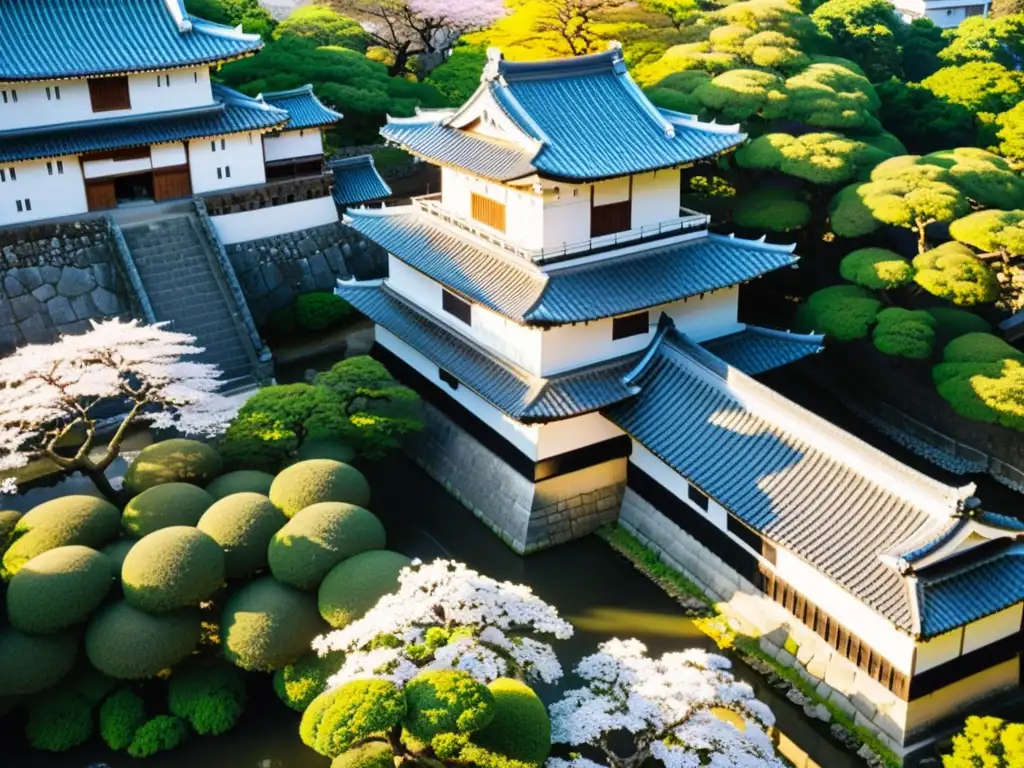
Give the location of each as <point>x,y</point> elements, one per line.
<point>687,221</point>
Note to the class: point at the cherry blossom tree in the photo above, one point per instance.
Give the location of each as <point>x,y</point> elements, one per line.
<point>49,392</point>
<point>675,707</point>
<point>447,616</point>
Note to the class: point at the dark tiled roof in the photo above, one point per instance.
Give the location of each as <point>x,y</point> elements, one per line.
<point>616,285</point>
<point>755,350</point>
<point>512,390</point>
<point>306,109</point>
<point>917,551</point>
<point>45,39</point>
<point>356,180</point>
<point>231,113</point>
<point>804,484</point>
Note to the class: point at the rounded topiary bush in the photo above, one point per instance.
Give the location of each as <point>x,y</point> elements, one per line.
<point>58,720</point>
<point>58,588</point>
<point>521,728</point>
<point>172,568</point>
<point>130,644</point>
<point>266,625</point>
<point>172,461</point>
<point>161,733</point>
<point>299,683</point>
<point>319,310</point>
<point>374,754</point>
<point>446,701</point>
<point>876,268</point>
<point>318,538</point>
<point>117,551</point>
<point>85,520</point>
<point>339,718</point>
<point>163,506</point>
<point>243,525</point>
<point>241,481</point>
<point>354,586</point>
<point>120,717</point>
<point>210,698</point>
<point>315,481</point>
<point>326,448</point>
<point>32,663</point>
<point>8,519</point>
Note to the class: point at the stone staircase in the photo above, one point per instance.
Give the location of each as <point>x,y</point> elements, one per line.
<point>187,289</point>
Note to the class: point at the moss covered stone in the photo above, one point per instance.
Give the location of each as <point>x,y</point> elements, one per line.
<point>243,524</point>
<point>374,754</point>
<point>318,538</point>
<point>326,448</point>
<point>172,461</point>
<point>163,506</point>
<point>58,589</point>
<point>521,728</point>
<point>242,481</point>
<point>8,519</point>
<point>299,683</point>
<point>32,663</point>
<point>130,644</point>
<point>85,520</point>
<point>172,568</point>
<point>354,586</point>
<point>315,481</point>
<point>267,625</point>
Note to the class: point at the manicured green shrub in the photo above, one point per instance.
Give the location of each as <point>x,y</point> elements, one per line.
<point>982,377</point>
<point>373,754</point>
<point>980,348</point>
<point>58,588</point>
<point>876,268</point>
<point>172,461</point>
<point>299,683</point>
<point>318,538</point>
<point>161,733</point>
<point>8,519</point>
<point>120,717</point>
<point>521,728</point>
<point>84,520</point>
<point>845,312</point>
<point>771,210</point>
<point>326,448</point>
<point>163,506</point>
<point>130,644</point>
<point>266,625</point>
<point>951,323</point>
<point>319,310</point>
<point>58,720</point>
<point>172,568</point>
<point>117,551</point>
<point>243,525</point>
<point>318,480</point>
<point>446,701</point>
<point>210,698</point>
<point>953,272</point>
<point>339,718</point>
<point>32,663</point>
<point>354,586</point>
<point>904,333</point>
<point>241,481</point>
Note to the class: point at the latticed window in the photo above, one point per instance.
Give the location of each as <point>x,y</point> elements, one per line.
<point>488,211</point>
<point>109,93</point>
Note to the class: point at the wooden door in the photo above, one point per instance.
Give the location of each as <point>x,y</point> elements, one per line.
<point>99,193</point>
<point>170,183</point>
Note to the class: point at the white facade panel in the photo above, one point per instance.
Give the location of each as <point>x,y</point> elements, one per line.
<point>559,437</point>
<point>938,650</point>
<point>167,91</point>
<point>293,144</point>
<point>708,316</point>
<point>523,211</point>
<point>226,162</point>
<point>612,191</point>
<point>95,169</point>
<point>168,155</point>
<point>978,634</point>
<point>567,216</point>
<point>276,220</point>
<point>655,198</point>
<point>42,194</point>
<point>675,484</point>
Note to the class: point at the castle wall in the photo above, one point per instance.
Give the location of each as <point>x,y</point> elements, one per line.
<point>278,220</point>
<point>302,143</point>
<point>238,159</point>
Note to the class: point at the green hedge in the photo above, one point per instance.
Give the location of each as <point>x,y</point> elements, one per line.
<point>211,697</point>
<point>980,348</point>
<point>84,520</point>
<point>876,268</point>
<point>32,663</point>
<point>130,644</point>
<point>58,588</point>
<point>844,312</point>
<point>953,272</point>
<point>243,525</point>
<point>299,683</point>
<point>951,323</point>
<point>120,717</point>
<point>172,568</point>
<point>905,333</point>
<point>354,586</point>
<point>374,754</point>
<point>318,538</point>
<point>58,720</point>
<point>318,480</point>
<point>241,481</point>
<point>521,728</point>
<point>172,461</point>
<point>163,506</point>
<point>266,625</point>
<point>771,210</point>
<point>161,733</point>
<point>339,718</point>
<point>982,377</point>
<point>319,310</point>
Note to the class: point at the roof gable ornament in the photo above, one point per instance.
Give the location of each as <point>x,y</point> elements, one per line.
<point>180,16</point>
<point>492,69</point>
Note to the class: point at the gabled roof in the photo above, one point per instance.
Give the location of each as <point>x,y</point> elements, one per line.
<point>756,350</point>
<point>611,286</point>
<point>586,115</point>
<point>53,39</point>
<point>306,109</point>
<point>512,390</point>
<point>356,180</point>
<point>231,112</point>
<point>803,483</point>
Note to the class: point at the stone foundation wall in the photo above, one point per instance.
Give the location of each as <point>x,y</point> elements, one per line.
<point>268,195</point>
<point>527,516</point>
<point>273,271</point>
<point>56,278</point>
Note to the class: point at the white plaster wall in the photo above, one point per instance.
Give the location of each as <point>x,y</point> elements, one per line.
<point>304,143</point>
<point>167,155</point>
<point>56,195</point>
<point>655,198</point>
<point>559,437</point>
<point>978,634</point>
<point>523,212</point>
<point>675,484</point>
<point>566,215</point>
<point>708,317</point>
<point>95,169</point>
<point>455,192</point>
<point>243,153</point>
<point>189,88</point>
<point>611,191</point>
<point>938,650</point>
<point>276,220</point>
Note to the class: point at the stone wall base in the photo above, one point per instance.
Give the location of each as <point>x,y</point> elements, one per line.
<point>526,515</point>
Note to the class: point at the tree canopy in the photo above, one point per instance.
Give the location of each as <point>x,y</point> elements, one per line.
<point>821,158</point>
<point>981,38</point>
<point>992,231</point>
<point>324,26</point>
<point>864,30</point>
<point>252,17</point>
<point>979,86</point>
<point>923,121</point>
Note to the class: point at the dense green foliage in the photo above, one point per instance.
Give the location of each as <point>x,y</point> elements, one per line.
<point>446,701</point>
<point>326,448</point>
<point>165,505</point>
<point>8,519</point>
<point>121,715</point>
<point>876,268</point>
<point>172,568</point>
<point>241,481</point>
<point>905,333</point>
<point>319,310</point>
<point>161,733</point>
<point>315,481</point>
<point>983,177</point>
<point>978,86</point>
<point>172,461</point>
<point>266,625</point>
<point>32,663</point>
<point>323,26</point>
<point>978,38</point>
<point>129,644</point>
<point>865,30</point>
<point>373,754</point>
<point>950,323</point>
<point>980,348</point>
<point>820,158</point>
<point>988,742</point>
<point>58,720</point>
<point>299,683</point>
<point>252,17</point>
<point>953,272</point>
<point>353,586</point>
<point>771,209</point>
<point>982,377</point>
<point>243,525</point>
<point>922,120</point>
<point>992,231</point>
<point>459,77</point>
<point>844,312</point>
<point>209,698</point>
<point>339,718</point>
<point>58,589</point>
<point>521,728</point>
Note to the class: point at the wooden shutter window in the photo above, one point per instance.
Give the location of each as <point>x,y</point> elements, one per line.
<point>109,93</point>
<point>487,211</point>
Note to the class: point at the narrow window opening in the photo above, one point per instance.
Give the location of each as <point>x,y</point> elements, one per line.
<point>195,77</point>
<point>459,308</point>
<point>220,174</point>
<point>158,83</point>
<point>227,171</point>
<point>14,175</point>
<point>60,167</point>
<point>223,144</point>
<point>167,80</point>
<point>694,494</point>
<point>3,175</point>
<point>48,94</point>
<point>630,325</point>
<point>14,96</point>
<point>447,378</point>
<point>56,92</point>
<point>28,204</point>
<point>213,146</point>
<point>49,168</point>
<point>19,205</point>
<point>4,94</point>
